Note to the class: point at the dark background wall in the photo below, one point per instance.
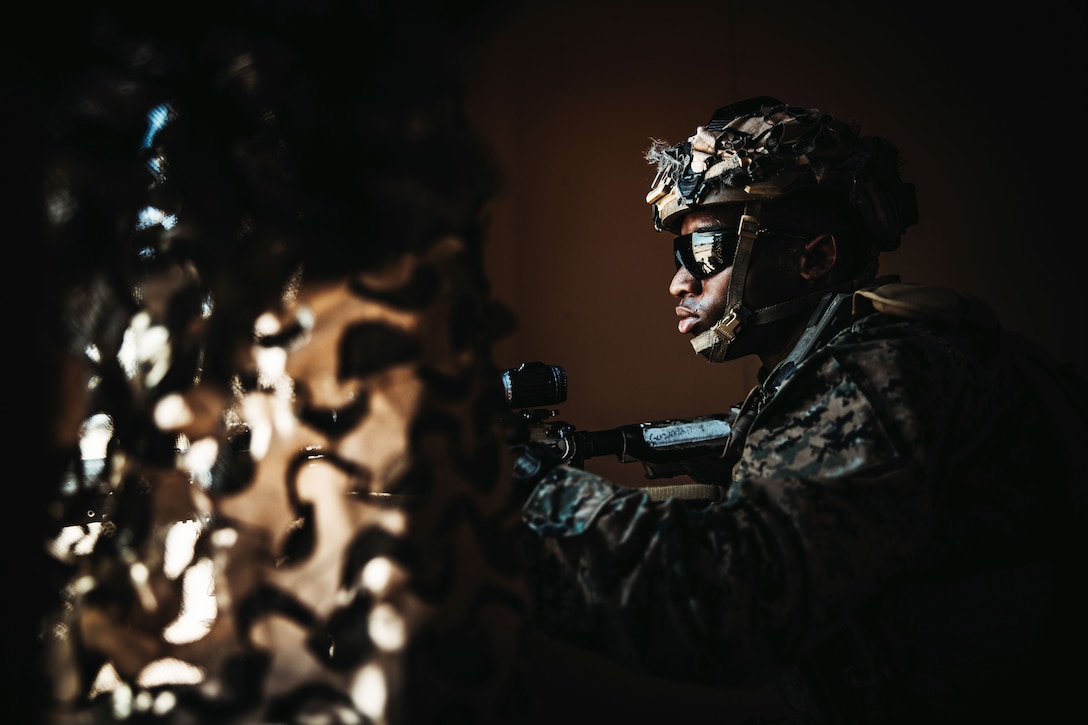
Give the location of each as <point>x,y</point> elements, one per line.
<point>985,106</point>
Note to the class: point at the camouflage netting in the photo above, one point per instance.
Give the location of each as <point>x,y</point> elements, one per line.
<point>201,166</point>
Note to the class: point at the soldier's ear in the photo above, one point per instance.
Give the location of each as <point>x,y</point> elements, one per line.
<point>818,256</point>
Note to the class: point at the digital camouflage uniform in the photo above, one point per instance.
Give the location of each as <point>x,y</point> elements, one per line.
<point>894,529</point>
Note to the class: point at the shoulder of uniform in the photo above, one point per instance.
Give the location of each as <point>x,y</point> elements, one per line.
<point>927,303</point>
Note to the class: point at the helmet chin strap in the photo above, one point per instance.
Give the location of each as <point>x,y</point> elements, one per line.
<point>714,343</point>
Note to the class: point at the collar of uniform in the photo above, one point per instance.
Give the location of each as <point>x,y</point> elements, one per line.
<point>829,317</point>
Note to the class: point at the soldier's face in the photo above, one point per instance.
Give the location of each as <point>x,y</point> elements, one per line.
<point>773,276</point>
<point>701,303</point>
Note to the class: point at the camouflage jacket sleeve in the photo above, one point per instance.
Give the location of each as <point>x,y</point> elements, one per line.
<point>833,494</point>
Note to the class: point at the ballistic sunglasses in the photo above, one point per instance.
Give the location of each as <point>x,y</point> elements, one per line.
<point>707,252</point>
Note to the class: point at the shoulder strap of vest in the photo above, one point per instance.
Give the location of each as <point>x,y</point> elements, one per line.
<point>928,303</point>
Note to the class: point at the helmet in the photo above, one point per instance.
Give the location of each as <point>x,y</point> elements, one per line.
<point>760,150</point>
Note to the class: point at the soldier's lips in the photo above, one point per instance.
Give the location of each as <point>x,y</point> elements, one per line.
<point>688,320</point>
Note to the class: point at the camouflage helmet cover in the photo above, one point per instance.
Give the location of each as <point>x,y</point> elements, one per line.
<point>762,149</point>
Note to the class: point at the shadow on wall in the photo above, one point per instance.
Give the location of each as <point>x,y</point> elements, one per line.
<point>569,97</point>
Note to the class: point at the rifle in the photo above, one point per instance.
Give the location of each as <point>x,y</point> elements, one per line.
<point>666,448</point>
